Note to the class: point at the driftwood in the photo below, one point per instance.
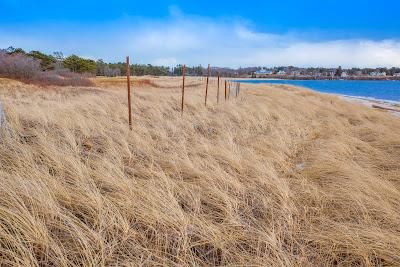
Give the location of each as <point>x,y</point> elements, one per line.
<point>385,108</point>
<point>2,116</point>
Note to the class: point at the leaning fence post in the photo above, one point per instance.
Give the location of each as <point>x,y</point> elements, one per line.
<point>208,78</point>
<point>218,89</point>
<point>183,85</point>
<point>128,78</point>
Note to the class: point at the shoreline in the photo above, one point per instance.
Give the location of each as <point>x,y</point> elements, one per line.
<point>390,106</point>
<point>379,104</point>
<point>308,78</point>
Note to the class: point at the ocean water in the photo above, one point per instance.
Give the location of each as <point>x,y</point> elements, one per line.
<point>382,90</point>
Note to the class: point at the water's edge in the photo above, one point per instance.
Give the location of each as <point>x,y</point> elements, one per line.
<point>388,91</point>
<point>390,105</point>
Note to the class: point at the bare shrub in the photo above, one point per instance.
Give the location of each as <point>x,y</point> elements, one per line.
<point>104,70</point>
<point>111,72</point>
<point>18,66</point>
<point>27,69</point>
<point>54,78</point>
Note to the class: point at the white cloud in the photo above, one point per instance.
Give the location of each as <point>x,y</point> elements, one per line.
<point>165,61</point>
<point>198,40</point>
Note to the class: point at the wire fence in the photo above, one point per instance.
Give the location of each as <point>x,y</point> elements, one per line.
<point>231,88</point>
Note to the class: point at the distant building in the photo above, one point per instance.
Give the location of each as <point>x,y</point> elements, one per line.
<point>317,74</point>
<point>295,73</point>
<point>281,73</point>
<point>377,74</point>
<point>358,73</point>
<point>328,74</point>
<point>396,74</point>
<point>344,74</point>
<point>262,73</point>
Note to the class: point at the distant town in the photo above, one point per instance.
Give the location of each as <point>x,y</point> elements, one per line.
<point>296,73</point>
<point>311,73</point>
<point>324,73</point>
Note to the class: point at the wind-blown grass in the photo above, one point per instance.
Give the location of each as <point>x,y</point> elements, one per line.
<point>278,177</point>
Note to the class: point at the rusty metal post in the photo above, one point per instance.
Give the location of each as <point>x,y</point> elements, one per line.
<point>218,89</point>
<point>183,85</point>
<point>208,78</point>
<point>226,88</point>
<point>128,78</point>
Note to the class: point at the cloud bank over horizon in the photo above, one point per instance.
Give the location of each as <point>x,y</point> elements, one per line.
<point>194,40</point>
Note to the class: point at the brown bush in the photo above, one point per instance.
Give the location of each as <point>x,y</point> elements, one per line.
<point>27,69</point>
<point>66,78</point>
<point>18,66</point>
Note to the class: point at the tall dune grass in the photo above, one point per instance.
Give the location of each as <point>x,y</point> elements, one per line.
<point>277,177</point>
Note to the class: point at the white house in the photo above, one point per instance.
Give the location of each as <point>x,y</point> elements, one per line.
<point>344,75</point>
<point>262,73</point>
<point>396,74</point>
<point>377,74</point>
<point>296,73</point>
<point>281,73</point>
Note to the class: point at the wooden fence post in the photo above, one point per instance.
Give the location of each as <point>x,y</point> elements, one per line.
<point>208,78</point>
<point>218,89</point>
<point>226,88</point>
<point>128,78</point>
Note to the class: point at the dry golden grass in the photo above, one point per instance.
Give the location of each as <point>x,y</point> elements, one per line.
<point>218,186</point>
<point>121,81</point>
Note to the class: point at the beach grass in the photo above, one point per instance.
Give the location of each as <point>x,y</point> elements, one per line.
<point>279,176</point>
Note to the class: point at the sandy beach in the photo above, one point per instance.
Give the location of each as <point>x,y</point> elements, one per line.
<point>384,105</point>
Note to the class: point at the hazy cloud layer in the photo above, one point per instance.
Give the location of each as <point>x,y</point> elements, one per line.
<point>197,40</point>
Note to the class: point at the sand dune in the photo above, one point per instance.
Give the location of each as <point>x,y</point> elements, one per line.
<point>279,176</point>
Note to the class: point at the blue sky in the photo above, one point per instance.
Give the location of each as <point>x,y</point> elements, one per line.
<point>223,33</point>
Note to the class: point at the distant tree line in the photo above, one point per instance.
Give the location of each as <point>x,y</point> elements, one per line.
<point>82,65</point>
<point>77,64</point>
<point>138,69</point>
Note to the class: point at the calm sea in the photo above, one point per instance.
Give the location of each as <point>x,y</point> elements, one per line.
<point>384,90</point>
